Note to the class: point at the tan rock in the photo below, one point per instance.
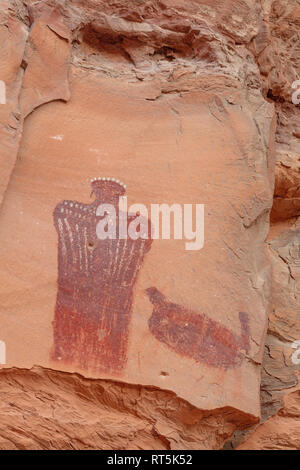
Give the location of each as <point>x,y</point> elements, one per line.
<point>177,101</point>
<point>46,76</point>
<point>45,409</point>
<point>278,50</point>
<point>278,56</point>
<point>281,368</point>
<point>13,35</point>
<point>45,59</point>
<point>281,431</point>
<point>107,142</point>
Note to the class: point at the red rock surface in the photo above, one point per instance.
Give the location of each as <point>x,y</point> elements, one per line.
<point>280,374</point>
<point>185,103</point>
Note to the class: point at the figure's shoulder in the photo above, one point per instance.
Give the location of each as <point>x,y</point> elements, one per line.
<point>63,206</point>
<point>71,208</point>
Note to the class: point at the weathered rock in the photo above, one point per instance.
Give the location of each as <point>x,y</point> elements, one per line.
<point>13,35</point>
<point>287,189</point>
<point>280,65</point>
<point>189,150</point>
<point>45,409</point>
<point>281,431</point>
<point>281,367</point>
<point>177,100</point>
<point>31,74</point>
<point>47,63</point>
<point>278,56</point>
<point>279,372</point>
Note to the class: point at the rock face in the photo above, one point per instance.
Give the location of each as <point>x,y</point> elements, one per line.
<point>148,343</point>
<point>281,431</point>
<point>66,411</point>
<point>280,371</point>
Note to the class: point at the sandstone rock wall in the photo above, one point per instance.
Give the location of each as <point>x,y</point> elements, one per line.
<point>185,102</point>
<point>280,372</point>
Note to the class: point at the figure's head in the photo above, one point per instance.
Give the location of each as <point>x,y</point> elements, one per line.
<point>156,297</point>
<point>107,190</point>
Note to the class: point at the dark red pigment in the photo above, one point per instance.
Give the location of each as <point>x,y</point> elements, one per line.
<point>195,335</point>
<point>95,284</point>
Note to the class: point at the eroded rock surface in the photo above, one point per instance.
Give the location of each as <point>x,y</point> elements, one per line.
<point>279,432</point>
<point>280,372</point>
<point>45,409</point>
<point>180,102</point>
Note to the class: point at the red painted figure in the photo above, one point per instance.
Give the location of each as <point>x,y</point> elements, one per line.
<point>95,284</point>
<point>195,335</point>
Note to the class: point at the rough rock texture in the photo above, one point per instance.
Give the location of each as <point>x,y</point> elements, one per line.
<point>179,100</point>
<point>13,34</point>
<point>281,431</point>
<point>280,372</point>
<point>44,409</point>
